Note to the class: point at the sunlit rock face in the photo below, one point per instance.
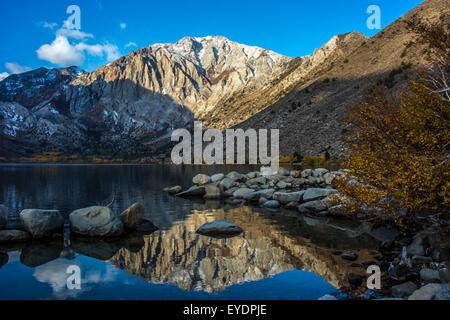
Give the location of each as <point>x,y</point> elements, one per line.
<point>268,246</point>
<point>134,101</point>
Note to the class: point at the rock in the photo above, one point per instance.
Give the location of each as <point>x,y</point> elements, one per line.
<point>306,173</point>
<point>444,294</point>
<point>355,279</point>
<point>351,256</point>
<point>426,292</point>
<point>201,179</point>
<point>7,236</point>
<point>175,190</point>
<point>327,297</point>
<point>336,252</point>
<point>132,215</point>
<point>319,172</point>
<point>227,183</point>
<point>291,206</point>
<point>282,185</point>
<point>3,216</point>
<point>194,191</point>
<point>444,274</point>
<point>234,202</point>
<point>220,228</point>
<point>416,247</point>
<point>217,177</point>
<point>145,226</point>
<point>284,172</point>
<point>42,223</point>
<point>312,194</point>
<point>241,192</point>
<point>404,289</point>
<point>257,181</point>
<point>295,173</point>
<point>285,197</point>
<point>262,201</point>
<point>429,275</point>
<point>420,260</point>
<point>235,176</point>
<point>328,178</point>
<point>212,191</point>
<point>252,175</point>
<point>314,206</point>
<point>4,258</point>
<point>272,204</point>
<point>96,222</point>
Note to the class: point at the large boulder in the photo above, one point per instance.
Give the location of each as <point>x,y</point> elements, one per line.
<point>3,216</point>
<point>285,197</point>
<point>312,194</point>
<point>132,215</point>
<point>42,223</point>
<point>96,222</point>
<point>312,206</point>
<point>403,290</point>
<point>201,179</point>
<point>220,228</point>
<point>12,236</point>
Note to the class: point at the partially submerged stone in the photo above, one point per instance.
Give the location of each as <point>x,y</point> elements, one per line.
<point>426,292</point>
<point>96,222</point>
<point>42,223</point>
<point>174,190</point>
<point>241,192</point>
<point>220,228</point>
<point>194,191</point>
<point>312,194</point>
<point>131,216</point>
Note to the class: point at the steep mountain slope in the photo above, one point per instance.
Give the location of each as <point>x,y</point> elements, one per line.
<point>134,102</point>
<point>308,107</point>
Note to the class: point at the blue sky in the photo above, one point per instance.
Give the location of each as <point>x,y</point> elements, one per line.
<point>33,33</point>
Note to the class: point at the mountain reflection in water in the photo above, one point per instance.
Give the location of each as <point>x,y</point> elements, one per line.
<point>273,243</point>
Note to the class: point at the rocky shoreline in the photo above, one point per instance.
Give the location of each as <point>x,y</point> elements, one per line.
<point>414,264</point>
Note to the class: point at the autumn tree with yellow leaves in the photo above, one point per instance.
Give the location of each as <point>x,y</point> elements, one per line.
<point>399,158</point>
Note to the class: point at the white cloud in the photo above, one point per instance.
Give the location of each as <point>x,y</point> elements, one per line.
<point>16,68</point>
<point>49,25</point>
<point>3,75</point>
<point>74,34</point>
<point>61,52</point>
<point>123,25</point>
<point>131,44</point>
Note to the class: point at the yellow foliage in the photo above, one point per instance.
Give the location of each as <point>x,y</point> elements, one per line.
<point>399,152</point>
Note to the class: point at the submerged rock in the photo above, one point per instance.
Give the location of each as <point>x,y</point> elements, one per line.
<point>96,222</point>
<point>11,236</point>
<point>42,223</point>
<point>131,216</point>
<point>271,204</point>
<point>194,191</point>
<point>174,190</point>
<point>3,216</point>
<point>220,228</point>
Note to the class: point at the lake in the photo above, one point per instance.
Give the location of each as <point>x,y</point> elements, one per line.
<point>280,255</point>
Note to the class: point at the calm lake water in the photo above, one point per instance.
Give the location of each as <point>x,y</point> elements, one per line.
<point>280,255</point>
